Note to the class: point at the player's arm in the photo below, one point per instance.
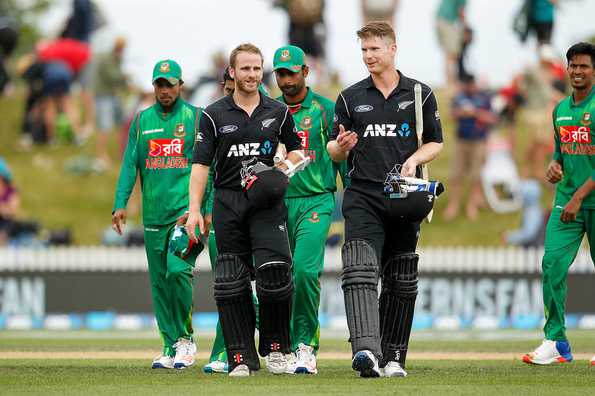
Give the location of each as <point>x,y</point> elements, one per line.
<point>328,115</point>
<point>127,178</point>
<point>204,151</point>
<point>342,139</point>
<point>293,144</point>
<point>554,172</point>
<point>432,142</point>
<point>574,205</point>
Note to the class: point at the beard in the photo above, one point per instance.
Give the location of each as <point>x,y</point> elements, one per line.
<point>291,90</point>
<point>243,86</point>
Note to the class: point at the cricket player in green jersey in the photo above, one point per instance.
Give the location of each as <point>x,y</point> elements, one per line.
<point>310,202</point>
<point>160,146</point>
<point>573,215</point>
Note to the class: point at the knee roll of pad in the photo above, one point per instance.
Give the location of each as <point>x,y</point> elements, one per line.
<point>360,265</point>
<point>232,278</point>
<point>274,280</point>
<point>400,275</point>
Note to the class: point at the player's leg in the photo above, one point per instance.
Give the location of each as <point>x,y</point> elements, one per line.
<point>156,249</point>
<point>180,283</point>
<point>233,295</point>
<point>218,359</point>
<point>232,289</point>
<point>274,283</point>
<point>364,237</point>
<point>399,290</point>
<point>313,222</point>
<point>562,241</point>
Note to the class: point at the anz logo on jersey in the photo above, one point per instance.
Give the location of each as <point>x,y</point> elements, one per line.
<point>388,130</point>
<point>250,149</point>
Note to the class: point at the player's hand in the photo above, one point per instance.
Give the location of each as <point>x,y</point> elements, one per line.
<point>182,219</point>
<point>571,209</point>
<point>554,172</point>
<point>119,220</point>
<point>409,167</point>
<point>208,221</point>
<point>346,139</point>
<point>194,219</point>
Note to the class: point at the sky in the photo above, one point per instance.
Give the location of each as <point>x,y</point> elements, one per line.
<point>189,31</point>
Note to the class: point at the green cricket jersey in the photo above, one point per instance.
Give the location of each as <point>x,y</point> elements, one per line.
<point>159,150</point>
<point>574,147</point>
<point>313,118</point>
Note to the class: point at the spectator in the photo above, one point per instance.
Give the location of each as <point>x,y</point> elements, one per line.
<point>532,230</point>
<point>8,41</point>
<point>541,20</point>
<point>84,19</point>
<point>450,21</point>
<point>537,87</point>
<point>462,69</point>
<point>379,10</point>
<point>307,30</point>
<point>109,82</point>
<point>48,94</point>
<point>472,111</point>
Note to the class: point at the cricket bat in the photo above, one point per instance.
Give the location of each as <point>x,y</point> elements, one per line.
<point>419,129</point>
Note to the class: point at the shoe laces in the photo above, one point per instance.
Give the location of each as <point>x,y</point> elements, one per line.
<point>183,346</point>
<point>545,347</point>
<point>276,357</point>
<point>303,353</point>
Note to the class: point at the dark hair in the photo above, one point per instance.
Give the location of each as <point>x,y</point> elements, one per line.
<point>467,78</point>
<point>581,48</point>
<point>226,75</point>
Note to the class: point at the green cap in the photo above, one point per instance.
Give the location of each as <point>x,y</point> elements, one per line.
<point>289,57</point>
<point>168,69</point>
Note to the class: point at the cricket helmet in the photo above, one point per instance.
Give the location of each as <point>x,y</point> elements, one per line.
<point>265,185</point>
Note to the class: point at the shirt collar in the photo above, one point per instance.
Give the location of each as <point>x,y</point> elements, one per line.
<point>404,84</point>
<point>231,105</point>
<point>585,100</point>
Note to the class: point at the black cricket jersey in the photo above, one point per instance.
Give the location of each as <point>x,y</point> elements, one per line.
<point>385,127</point>
<point>227,134</point>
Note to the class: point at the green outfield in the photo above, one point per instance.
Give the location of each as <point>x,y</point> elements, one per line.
<point>447,362</point>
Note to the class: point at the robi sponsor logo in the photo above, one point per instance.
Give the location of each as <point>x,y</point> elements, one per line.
<point>166,147</point>
<point>575,134</point>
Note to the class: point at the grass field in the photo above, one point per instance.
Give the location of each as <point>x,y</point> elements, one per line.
<point>462,363</point>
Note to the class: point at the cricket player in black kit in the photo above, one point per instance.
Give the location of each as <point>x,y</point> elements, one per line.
<point>235,129</point>
<point>375,129</point>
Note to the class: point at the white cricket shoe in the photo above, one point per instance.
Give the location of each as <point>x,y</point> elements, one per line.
<point>303,362</point>
<point>366,363</point>
<point>593,361</point>
<point>241,370</point>
<point>185,350</point>
<point>216,366</point>
<point>549,352</point>
<point>394,369</point>
<point>276,362</point>
<point>163,362</point>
